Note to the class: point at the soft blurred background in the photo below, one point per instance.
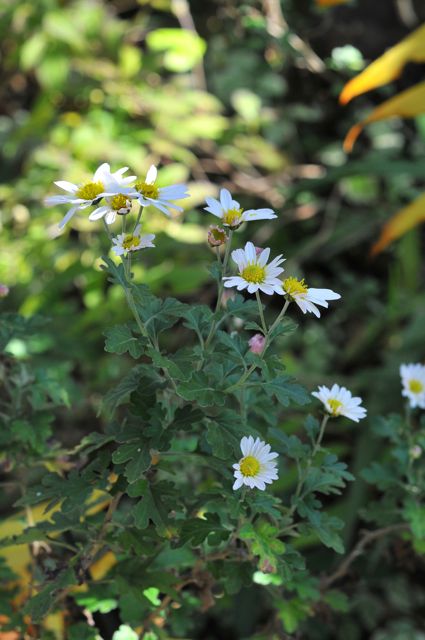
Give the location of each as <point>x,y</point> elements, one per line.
<point>241,94</point>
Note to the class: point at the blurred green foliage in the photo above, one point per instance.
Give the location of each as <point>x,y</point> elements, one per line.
<point>231,94</point>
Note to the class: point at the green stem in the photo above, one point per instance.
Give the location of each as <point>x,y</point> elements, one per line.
<point>267,342</point>
<point>139,215</point>
<point>260,308</point>
<point>302,476</point>
<point>220,290</point>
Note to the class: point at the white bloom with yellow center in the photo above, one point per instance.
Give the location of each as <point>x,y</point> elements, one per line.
<point>231,213</point>
<point>257,467</point>
<point>103,183</point>
<point>413,381</point>
<point>254,272</point>
<point>307,298</point>
<point>126,242</point>
<point>148,193</point>
<point>120,204</point>
<point>338,401</point>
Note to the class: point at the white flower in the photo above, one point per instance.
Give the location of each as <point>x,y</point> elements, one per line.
<point>119,204</point>
<point>338,401</point>
<point>148,193</point>
<point>413,381</point>
<point>231,213</point>
<point>257,467</point>
<point>126,242</point>
<point>254,273</point>
<point>104,183</point>
<point>307,298</point>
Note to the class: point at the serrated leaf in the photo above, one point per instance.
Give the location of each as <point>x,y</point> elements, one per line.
<point>200,390</point>
<point>196,530</point>
<point>286,391</point>
<point>120,339</point>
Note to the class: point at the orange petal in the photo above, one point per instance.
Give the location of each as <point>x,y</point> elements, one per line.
<point>387,67</point>
<point>402,222</point>
<point>406,104</point>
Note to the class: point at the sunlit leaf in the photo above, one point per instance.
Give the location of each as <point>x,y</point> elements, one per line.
<point>404,220</point>
<point>406,104</point>
<point>388,66</point>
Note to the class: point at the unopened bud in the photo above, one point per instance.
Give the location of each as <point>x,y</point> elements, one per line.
<point>258,251</point>
<point>415,452</point>
<point>267,567</point>
<point>4,290</point>
<point>216,236</point>
<point>256,343</point>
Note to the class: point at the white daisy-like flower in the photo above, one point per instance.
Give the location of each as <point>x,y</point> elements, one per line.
<point>148,193</point>
<point>413,381</point>
<point>231,213</point>
<point>126,242</point>
<point>120,204</point>
<point>81,196</point>
<point>254,272</point>
<point>257,467</point>
<point>307,298</point>
<point>338,401</point>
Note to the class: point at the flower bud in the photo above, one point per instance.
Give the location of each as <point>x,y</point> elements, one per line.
<point>267,567</point>
<point>216,236</point>
<point>415,452</point>
<point>256,343</point>
<point>258,251</point>
<point>4,290</point>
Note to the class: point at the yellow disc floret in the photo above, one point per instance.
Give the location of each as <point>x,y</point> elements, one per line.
<point>130,242</point>
<point>147,190</point>
<point>90,190</point>
<point>249,466</point>
<point>232,217</point>
<point>254,273</point>
<point>120,202</point>
<point>335,406</point>
<point>416,386</point>
<point>294,287</point>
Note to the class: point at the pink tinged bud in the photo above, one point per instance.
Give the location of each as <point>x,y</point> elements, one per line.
<point>216,236</point>
<point>4,290</point>
<point>256,343</point>
<point>267,567</point>
<point>258,250</point>
<point>415,452</point>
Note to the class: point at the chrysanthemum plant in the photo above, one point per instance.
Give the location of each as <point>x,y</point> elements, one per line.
<point>195,488</point>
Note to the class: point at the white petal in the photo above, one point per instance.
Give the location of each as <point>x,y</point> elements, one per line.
<point>151,175</point>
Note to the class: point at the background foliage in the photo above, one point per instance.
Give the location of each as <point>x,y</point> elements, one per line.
<point>242,95</point>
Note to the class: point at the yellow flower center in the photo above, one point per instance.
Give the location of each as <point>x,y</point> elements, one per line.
<point>249,466</point>
<point>130,241</point>
<point>232,217</point>
<point>147,190</point>
<point>416,386</point>
<point>119,202</point>
<point>90,190</point>
<point>335,406</point>
<point>254,273</point>
<point>294,287</point>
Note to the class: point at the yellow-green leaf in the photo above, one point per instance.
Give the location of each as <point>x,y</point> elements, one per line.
<point>401,223</point>
<point>406,104</point>
<point>388,66</point>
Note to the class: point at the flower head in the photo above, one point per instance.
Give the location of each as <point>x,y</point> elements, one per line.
<point>413,382</point>
<point>126,242</point>
<point>120,204</point>
<point>148,193</point>
<point>254,272</point>
<point>103,183</point>
<point>338,401</point>
<point>231,213</point>
<point>256,343</point>
<point>307,298</point>
<point>216,236</point>
<point>257,467</point>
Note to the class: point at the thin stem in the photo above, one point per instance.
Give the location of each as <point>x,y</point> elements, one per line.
<point>260,308</point>
<point>220,289</point>
<point>268,334</point>
<point>107,229</point>
<point>302,475</point>
<point>139,215</point>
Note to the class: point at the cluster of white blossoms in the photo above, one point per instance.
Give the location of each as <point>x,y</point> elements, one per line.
<point>112,194</point>
<point>413,384</point>
<point>254,272</point>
